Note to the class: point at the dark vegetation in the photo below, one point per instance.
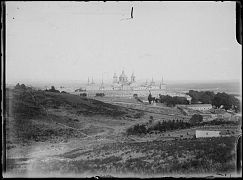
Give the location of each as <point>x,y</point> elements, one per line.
<point>53,90</point>
<point>29,102</point>
<point>195,120</point>
<point>100,94</point>
<point>161,127</point>
<point>28,109</point>
<point>211,155</point>
<point>206,97</point>
<point>172,101</point>
<point>228,101</point>
<point>83,94</point>
<point>220,99</point>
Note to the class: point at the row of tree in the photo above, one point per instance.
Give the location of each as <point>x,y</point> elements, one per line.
<point>220,99</point>
<point>24,87</point>
<point>164,126</point>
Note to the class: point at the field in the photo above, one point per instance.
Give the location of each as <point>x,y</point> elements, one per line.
<point>55,134</point>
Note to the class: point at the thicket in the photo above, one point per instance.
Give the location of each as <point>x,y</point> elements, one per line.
<point>161,127</point>
<point>172,101</point>
<point>220,99</point>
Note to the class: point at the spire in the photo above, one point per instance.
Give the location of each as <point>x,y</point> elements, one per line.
<point>88,80</point>
<point>114,78</point>
<point>132,78</point>
<point>123,71</point>
<point>102,84</point>
<point>92,81</point>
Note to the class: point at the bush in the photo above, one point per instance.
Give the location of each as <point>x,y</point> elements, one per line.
<point>53,90</point>
<point>161,127</point>
<point>172,101</point>
<point>100,94</point>
<point>83,94</point>
<point>196,119</point>
<point>206,97</point>
<point>137,129</point>
<point>228,101</point>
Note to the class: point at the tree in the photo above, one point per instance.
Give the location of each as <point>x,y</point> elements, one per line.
<point>196,119</point>
<point>22,86</point>
<point>206,97</point>
<point>172,101</point>
<point>194,95</point>
<point>17,86</point>
<point>52,88</point>
<point>228,101</point>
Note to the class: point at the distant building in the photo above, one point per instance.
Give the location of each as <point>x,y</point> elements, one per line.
<point>225,115</point>
<point>123,78</point>
<point>206,134</point>
<point>200,107</point>
<point>123,86</point>
<point>209,117</point>
<point>122,83</point>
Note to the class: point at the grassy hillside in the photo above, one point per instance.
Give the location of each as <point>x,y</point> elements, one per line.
<point>30,117</point>
<point>215,155</point>
<point>29,103</point>
<point>61,133</point>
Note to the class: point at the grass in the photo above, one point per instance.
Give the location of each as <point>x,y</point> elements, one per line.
<point>157,157</point>
<point>32,121</point>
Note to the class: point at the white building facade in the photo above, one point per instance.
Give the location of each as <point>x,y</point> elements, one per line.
<point>124,86</point>
<point>207,134</point>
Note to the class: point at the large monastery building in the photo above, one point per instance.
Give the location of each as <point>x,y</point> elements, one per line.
<point>124,85</point>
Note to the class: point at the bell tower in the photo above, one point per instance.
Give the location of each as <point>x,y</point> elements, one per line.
<point>132,78</point>
<point>115,78</point>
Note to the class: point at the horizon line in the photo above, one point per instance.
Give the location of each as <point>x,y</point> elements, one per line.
<point>110,80</point>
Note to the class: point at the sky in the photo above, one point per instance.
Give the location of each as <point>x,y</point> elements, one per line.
<point>71,41</point>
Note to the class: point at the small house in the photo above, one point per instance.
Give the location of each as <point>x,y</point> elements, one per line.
<point>200,107</point>
<point>206,134</point>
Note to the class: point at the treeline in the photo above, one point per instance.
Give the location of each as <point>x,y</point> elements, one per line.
<point>100,94</point>
<point>206,97</point>
<point>196,120</point>
<point>220,99</point>
<point>161,127</point>
<point>53,89</point>
<point>172,101</point>
<point>21,87</point>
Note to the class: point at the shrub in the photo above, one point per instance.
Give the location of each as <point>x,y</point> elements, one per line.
<point>100,94</point>
<point>196,119</point>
